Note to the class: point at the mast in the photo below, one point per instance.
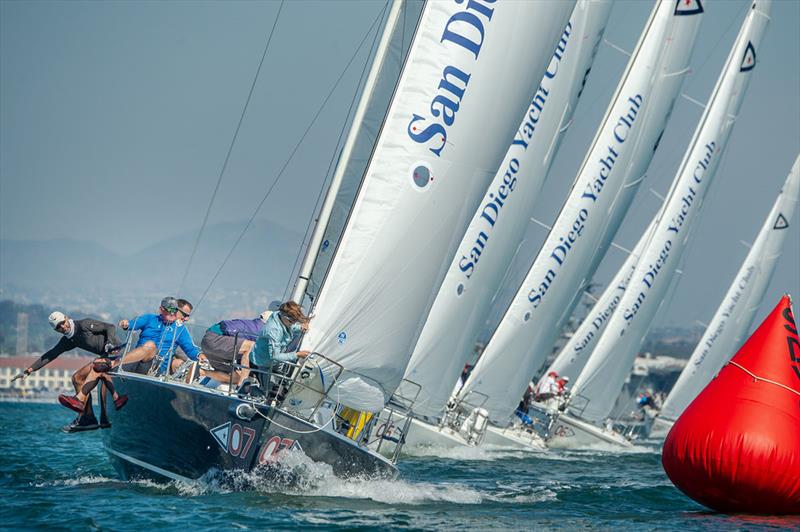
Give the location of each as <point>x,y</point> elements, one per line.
<point>601,381</point>
<point>314,243</point>
<point>609,177</point>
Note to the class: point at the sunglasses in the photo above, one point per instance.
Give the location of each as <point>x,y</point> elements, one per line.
<point>185,315</point>
<point>170,310</point>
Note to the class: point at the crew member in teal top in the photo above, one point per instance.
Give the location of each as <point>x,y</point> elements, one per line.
<point>280,330</point>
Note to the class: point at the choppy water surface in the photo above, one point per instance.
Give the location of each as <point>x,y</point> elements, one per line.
<point>50,479</point>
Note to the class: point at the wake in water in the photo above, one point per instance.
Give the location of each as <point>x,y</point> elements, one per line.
<point>465,452</point>
<point>296,474</point>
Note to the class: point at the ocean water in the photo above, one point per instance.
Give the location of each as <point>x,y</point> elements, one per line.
<point>49,479</point>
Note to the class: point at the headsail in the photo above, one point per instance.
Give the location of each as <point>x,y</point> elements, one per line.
<point>498,224</point>
<point>605,186</point>
<point>599,384</point>
<point>378,89</point>
<point>734,317</point>
<point>470,70</point>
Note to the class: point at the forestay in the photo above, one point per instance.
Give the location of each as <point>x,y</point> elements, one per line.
<point>734,317</point>
<point>600,382</point>
<point>470,70</point>
<point>498,224</point>
<point>602,192</point>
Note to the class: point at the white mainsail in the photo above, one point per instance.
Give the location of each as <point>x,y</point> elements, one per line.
<point>734,317</point>
<point>602,192</point>
<point>573,356</point>
<point>470,70</point>
<point>489,244</point>
<point>601,381</point>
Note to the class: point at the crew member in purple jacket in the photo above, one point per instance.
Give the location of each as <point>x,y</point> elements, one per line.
<point>228,339</point>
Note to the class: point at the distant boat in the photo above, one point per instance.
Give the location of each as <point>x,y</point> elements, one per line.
<point>586,420</point>
<point>449,105</point>
<point>734,317</point>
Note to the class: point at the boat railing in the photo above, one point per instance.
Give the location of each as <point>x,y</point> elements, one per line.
<point>301,387</point>
<point>394,421</point>
<point>543,419</point>
<point>576,404</point>
<point>457,412</point>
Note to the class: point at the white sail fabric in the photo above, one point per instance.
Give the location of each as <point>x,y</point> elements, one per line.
<point>573,356</point>
<point>602,192</point>
<point>734,317</point>
<point>469,72</point>
<point>384,73</point>
<point>601,381</point>
<point>485,252</point>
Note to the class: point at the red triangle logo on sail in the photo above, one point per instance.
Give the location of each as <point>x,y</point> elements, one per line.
<point>780,222</point>
<point>688,7</point>
<point>749,59</point>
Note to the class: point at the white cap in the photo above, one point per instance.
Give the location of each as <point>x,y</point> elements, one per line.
<point>55,318</point>
<point>265,315</point>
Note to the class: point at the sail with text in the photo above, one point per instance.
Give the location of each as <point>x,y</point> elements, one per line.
<point>469,72</point>
<point>498,224</point>
<point>600,196</point>
<point>601,381</point>
<point>731,323</point>
<point>573,356</point>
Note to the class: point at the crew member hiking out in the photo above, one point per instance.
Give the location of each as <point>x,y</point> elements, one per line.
<point>97,337</point>
<point>159,335</point>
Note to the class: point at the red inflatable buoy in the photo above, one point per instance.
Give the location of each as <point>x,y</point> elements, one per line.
<point>736,447</point>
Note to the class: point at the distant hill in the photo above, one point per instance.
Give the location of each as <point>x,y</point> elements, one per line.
<point>263,260</point>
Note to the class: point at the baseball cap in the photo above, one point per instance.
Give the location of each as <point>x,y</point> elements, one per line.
<point>55,318</point>
<point>170,304</point>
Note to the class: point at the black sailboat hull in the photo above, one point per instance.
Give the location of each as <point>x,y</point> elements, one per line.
<point>182,432</point>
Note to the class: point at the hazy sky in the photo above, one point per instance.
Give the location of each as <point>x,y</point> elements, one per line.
<point>115,118</point>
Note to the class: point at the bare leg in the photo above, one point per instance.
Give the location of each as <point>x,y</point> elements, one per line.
<point>91,381</point>
<point>144,352</point>
<point>78,378</point>
<point>247,346</point>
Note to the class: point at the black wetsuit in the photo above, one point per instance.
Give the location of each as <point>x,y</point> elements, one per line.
<point>90,335</point>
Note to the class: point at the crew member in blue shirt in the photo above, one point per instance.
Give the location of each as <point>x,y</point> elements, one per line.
<point>160,333</point>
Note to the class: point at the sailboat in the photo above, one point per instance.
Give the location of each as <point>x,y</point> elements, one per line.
<point>734,317</point>
<point>601,194</point>
<point>586,421</point>
<point>468,71</point>
<point>496,229</point>
<point>571,359</point>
